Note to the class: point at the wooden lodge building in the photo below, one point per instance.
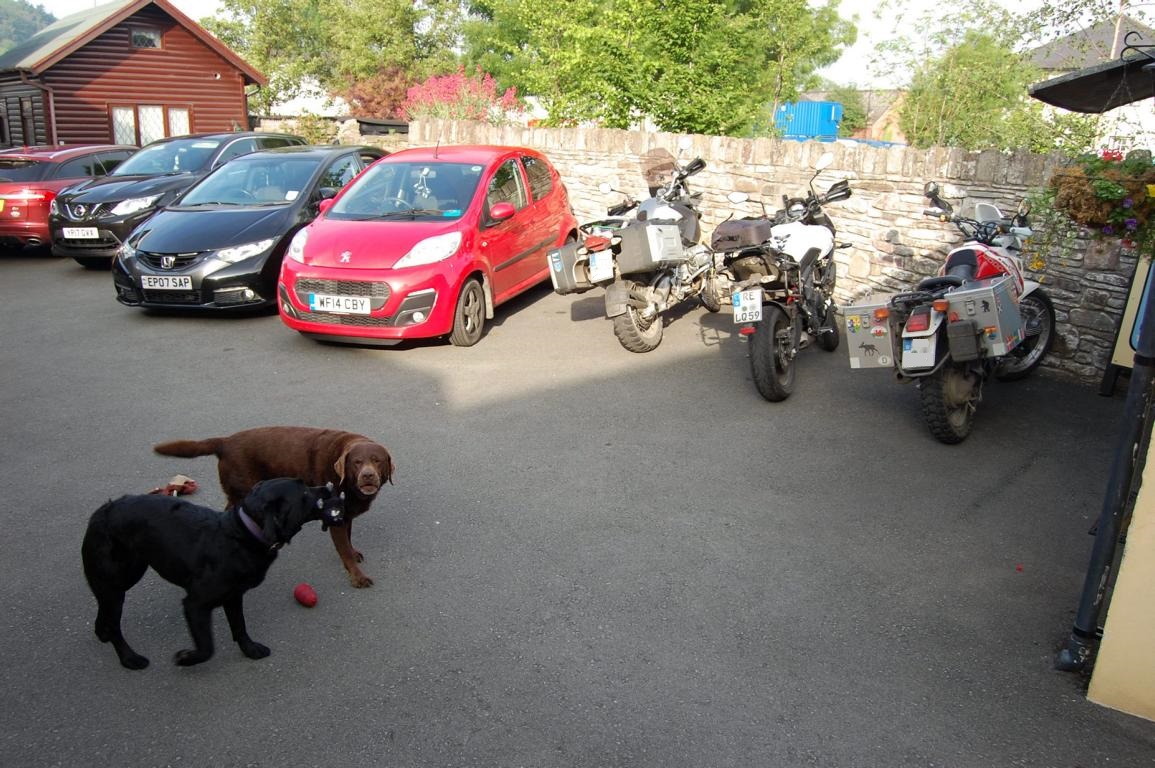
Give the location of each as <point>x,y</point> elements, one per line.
<point>127,72</point>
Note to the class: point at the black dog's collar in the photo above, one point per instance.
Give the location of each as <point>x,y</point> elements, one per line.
<point>252,527</point>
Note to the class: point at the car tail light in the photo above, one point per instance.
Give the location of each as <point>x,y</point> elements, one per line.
<point>28,195</point>
<point>919,320</point>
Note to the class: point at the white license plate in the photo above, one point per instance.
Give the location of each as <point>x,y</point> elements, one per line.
<point>166,282</point>
<point>747,306</point>
<point>81,233</point>
<point>341,305</point>
<point>601,265</point>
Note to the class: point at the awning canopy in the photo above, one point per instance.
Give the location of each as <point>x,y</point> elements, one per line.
<point>1101,87</point>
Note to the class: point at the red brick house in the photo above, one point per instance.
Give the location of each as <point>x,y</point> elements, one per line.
<point>127,72</point>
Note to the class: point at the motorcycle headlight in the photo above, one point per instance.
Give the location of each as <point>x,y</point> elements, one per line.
<point>133,205</point>
<point>296,250</point>
<point>242,252</point>
<point>431,250</point>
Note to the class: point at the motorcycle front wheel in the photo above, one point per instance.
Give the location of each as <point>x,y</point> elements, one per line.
<point>948,398</point>
<point>1038,315</point>
<point>772,348</point>
<point>636,333</point>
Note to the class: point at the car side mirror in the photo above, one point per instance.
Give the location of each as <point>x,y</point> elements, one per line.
<point>501,212</point>
<point>328,192</point>
<point>324,205</point>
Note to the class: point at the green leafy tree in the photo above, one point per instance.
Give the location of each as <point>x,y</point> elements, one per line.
<point>337,43</point>
<point>969,86</point>
<point>853,108</point>
<point>706,66</point>
<point>19,21</point>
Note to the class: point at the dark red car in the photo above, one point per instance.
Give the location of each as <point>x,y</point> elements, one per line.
<point>426,243</point>
<point>30,177</point>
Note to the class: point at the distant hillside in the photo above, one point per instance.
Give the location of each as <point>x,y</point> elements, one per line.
<point>20,20</point>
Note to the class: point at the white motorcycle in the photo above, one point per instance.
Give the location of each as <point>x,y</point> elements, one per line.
<point>779,271</point>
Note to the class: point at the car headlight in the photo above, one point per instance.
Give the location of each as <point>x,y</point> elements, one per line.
<point>53,208</point>
<point>296,250</point>
<point>242,252</point>
<point>125,252</point>
<point>134,204</point>
<point>431,250</point>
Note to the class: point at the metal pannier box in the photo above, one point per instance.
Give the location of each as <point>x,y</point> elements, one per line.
<point>736,234</point>
<point>646,247</point>
<point>869,338</point>
<point>569,270</point>
<point>991,304</point>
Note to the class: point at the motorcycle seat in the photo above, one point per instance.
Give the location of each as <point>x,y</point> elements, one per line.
<point>940,283</point>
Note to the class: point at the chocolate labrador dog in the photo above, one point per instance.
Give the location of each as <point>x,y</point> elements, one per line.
<point>215,556</point>
<point>354,463</point>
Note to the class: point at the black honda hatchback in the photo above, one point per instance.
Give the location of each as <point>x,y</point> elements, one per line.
<point>89,221</point>
<point>219,247</point>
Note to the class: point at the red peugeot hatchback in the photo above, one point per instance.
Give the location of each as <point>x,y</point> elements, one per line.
<point>426,243</point>
<point>30,177</point>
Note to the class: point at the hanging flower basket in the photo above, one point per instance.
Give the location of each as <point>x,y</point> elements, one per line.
<point>1111,194</point>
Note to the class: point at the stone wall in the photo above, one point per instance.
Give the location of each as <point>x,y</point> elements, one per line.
<point>892,244</point>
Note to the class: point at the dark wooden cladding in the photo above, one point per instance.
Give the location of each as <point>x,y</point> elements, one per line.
<point>109,72</point>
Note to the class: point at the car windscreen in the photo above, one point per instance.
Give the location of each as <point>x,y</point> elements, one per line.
<point>179,156</point>
<point>14,169</point>
<point>254,180</point>
<point>408,190</point>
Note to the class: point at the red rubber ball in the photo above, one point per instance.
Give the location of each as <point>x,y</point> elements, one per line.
<point>305,595</point>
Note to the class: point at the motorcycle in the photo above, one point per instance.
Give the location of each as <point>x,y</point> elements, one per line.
<point>780,274</point>
<point>979,317</point>
<point>646,255</point>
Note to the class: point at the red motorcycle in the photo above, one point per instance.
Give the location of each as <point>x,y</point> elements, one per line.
<point>979,317</point>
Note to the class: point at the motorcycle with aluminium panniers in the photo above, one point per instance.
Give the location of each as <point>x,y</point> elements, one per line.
<point>978,317</point>
<point>647,256</point>
<point>780,273</point>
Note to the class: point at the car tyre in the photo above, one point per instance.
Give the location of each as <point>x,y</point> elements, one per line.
<point>469,317</point>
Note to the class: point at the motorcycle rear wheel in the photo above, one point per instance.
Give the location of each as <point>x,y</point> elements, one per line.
<point>1038,316</point>
<point>948,398</point>
<point>828,330</point>
<point>637,334</point>
<point>772,348</point>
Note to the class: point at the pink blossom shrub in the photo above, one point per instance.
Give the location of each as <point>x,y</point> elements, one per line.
<point>458,96</point>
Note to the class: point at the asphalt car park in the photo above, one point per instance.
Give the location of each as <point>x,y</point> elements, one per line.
<point>589,557</point>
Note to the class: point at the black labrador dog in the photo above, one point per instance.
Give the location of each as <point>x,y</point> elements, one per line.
<point>215,556</point>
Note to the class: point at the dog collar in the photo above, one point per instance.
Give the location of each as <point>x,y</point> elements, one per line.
<point>252,527</point>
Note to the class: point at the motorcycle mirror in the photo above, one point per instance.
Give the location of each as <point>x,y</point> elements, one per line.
<point>605,188</point>
<point>695,165</point>
<point>737,197</point>
<point>1024,207</point>
<point>824,162</point>
<point>930,189</point>
<point>685,142</point>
